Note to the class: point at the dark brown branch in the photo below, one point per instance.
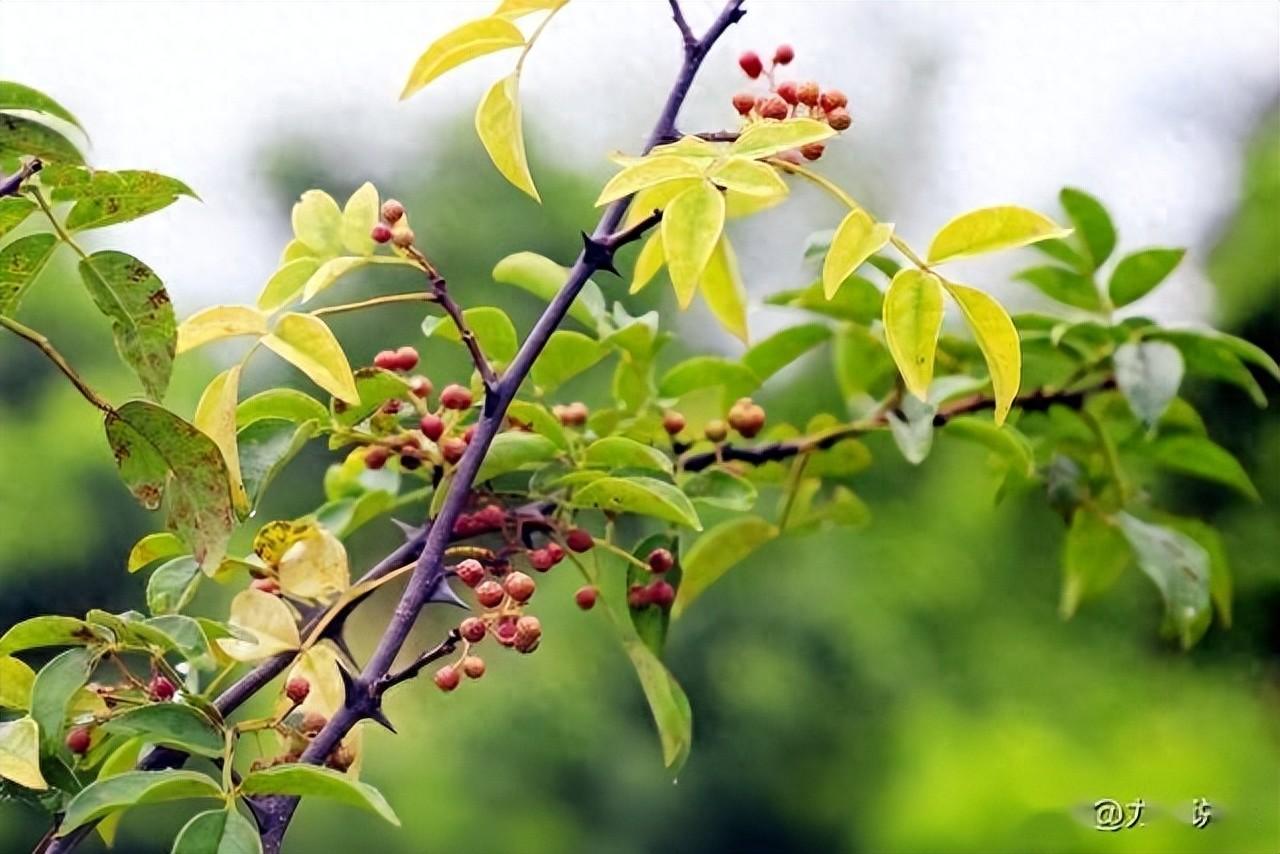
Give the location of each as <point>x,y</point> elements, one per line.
<point>440,292</point>
<point>624,236</point>
<point>11,185</point>
<point>445,647</point>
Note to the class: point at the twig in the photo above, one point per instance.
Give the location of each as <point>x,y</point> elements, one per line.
<point>369,303</point>
<point>635,232</point>
<point>11,185</point>
<point>686,33</point>
<point>445,647</point>
<point>57,358</point>
<point>440,294</point>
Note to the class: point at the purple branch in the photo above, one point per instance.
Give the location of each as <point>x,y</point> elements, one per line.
<point>9,186</point>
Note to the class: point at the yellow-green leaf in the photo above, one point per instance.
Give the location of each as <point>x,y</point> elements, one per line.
<point>335,268</point>
<point>991,230</point>
<point>667,702</point>
<point>286,284</point>
<point>722,289</point>
<point>319,666</point>
<point>857,238</point>
<point>293,250</point>
<point>655,198</point>
<point>498,124</point>
<point>217,322</point>
<point>268,619</point>
<point>359,216</point>
<point>771,136</point>
<point>998,339</point>
<point>306,343</point>
<point>686,146</point>
<point>748,177</point>
<point>514,9</point>
<point>648,262</point>
<point>16,679</point>
<point>216,418</point>
<point>317,222</point>
<point>691,227</point>
<point>152,547</point>
<point>912,323</point>
<point>649,172</point>
<point>20,753</point>
<point>463,44</point>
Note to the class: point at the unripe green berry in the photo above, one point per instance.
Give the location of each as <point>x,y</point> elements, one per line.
<point>715,431</point>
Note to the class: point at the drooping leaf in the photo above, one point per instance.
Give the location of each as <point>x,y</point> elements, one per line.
<point>1092,222</point>
<point>1200,457</point>
<point>621,452</point>
<point>716,552</point>
<point>20,263</point>
<point>723,290</point>
<point>108,198</point>
<point>50,630</point>
<point>22,137</point>
<point>645,496</point>
<point>1240,348</point>
<point>648,172</point>
<point>856,239</point>
<point>691,227</point>
<point>309,781</point>
<point>306,342</point>
<point>462,44</point>
<point>768,137</point>
<point>20,753</point>
<point>1139,273</point>
<point>1148,374</point>
<point>223,831</point>
<point>1066,286</point>
<point>216,417</point>
<point>499,127</point>
<point>1179,567</point>
<point>134,788</point>
<point>544,278</point>
<point>912,428</point>
<point>912,323</point>
<point>172,725</point>
<point>51,694</point>
<point>359,215</point>
<point>566,355</point>
<point>160,456</point>
<point>1094,555</point>
<point>265,618</point>
<point>218,322</point>
<point>998,339</point>
<point>648,262</point>
<point>491,325</point>
<point>287,283</point>
<point>667,702</point>
<point>991,230</point>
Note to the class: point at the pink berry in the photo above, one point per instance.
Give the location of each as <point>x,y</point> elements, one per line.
<point>455,397</point>
<point>787,92</point>
<point>472,629</point>
<point>750,64</point>
<point>78,740</point>
<point>489,594</point>
<point>161,689</point>
<point>388,360</point>
<point>662,594</point>
<point>470,572</point>
<point>579,540</point>
<point>519,586</point>
<point>407,358</point>
<point>784,54</point>
<point>392,210</point>
<point>381,233</point>
<point>743,102</point>
<point>661,560</point>
<point>297,689</point>
<point>446,678</point>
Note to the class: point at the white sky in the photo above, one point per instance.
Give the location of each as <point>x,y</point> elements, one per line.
<point>1144,104</point>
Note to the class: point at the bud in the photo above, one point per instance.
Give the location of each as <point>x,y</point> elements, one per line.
<point>787,92</point>
<point>783,55</point>
<point>744,102</point>
<point>380,233</point>
<point>446,678</point>
<point>78,740</point>
<point>489,594</point>
<point>774,108</point>
<point>750,64</point>
<point>807,93</point>
<point>833,99</point>
<point>473,666</point>
<point>392,210</point>
<point>813,150</point>
<point>586,597</point>
<point>579,540</point>
<point>839,119</point>
<point>716,431</point>
<point>519,586</point>
<point>472,629</point>
<point>673,422</point>
<point>297,689</point>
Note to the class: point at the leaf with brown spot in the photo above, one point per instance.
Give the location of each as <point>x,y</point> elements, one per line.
<point>142,318</point>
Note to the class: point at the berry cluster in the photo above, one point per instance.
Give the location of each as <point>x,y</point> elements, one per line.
<point>385,230</point>
<point>790,98</point>
<point>659,591</point>
<point>745,416</point>
<point>159,689</point>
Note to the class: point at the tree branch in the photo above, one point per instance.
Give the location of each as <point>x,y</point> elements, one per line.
<point>440,650</point>
<point>24,331</point>
<point>9,186</point>
<point>686,33</point>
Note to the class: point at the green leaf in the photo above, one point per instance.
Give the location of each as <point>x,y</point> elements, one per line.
<point>218,322</point>
<point>21,137</point>
<point>991,230</point>
<point>1238,347</point>
<point>716,552</point>
<point>161,456</point>
<point>49,630</point>
<point>649,172</point>
<point>13,210</point>
<point>782,348</point>
<point>716,487</point>
<point>142,320</point>
<point>173,585</point>
<point>912,324</point>
<point>15,96</point>
<point>857,238</point>
<point>1092,223</point>
<point>1148,374</point>
<point>1219,567</point>
<point>171,725</point>
<point>134,788</point>
<point>544,278</point>
<point>20,263</point>
<point>463,44</point>
<point>649,620</point>
<point>122,759</point>
<point>1137,274</point>
<point>691,227</point>
<point>317,222</point>
<point>619,452</point>
<point>862,364</point>
<point>335,268</point>
<point>536,417</point>
<point>1011,445</point>
<point>769,136</point>
<point>648,262</point>
<point>512,451</point>
<point>1179,567</point>
<point>375,386</point>
<point>749,177</point>
<point>566,355</point>
<point>1066,286</point>
<point>16,679</point>
<point>287,283</point>
<point>493,329</point>
<point>858,300</point>
<point>998,340</point>
<point>723,290</point>
<point>287,403</point>
<point>1200,457</point>
<point>108,198</point>
<point>51,693</point>
<point>1094,555</point>
<point>266,446</point>
<point>306,342</point>
<point>499,127</point>
<point>645,496</point>
<point>310,781</point>
<point>667,702</point>
<point>705,372</point>
<point>20,753</point>
<point>222,831</point>
<point>359,215</point>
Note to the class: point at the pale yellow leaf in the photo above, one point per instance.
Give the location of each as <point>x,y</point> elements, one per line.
<point>991,230</point>
<point>738,205</point>
<point>722,289</point>
<point>465,43</point>
<point>306,343</point>
<point>293,250</point>
<point>16,679</point>
<point>649,172</point>
<point>912,323</point>
<point>690,146</point>
<point>268,619</point>
<point>514,9</point>
<point>748,177</point>
<point>20,753</point>
<point>998,339</point>
<point>655,198</point>
<point>498,125</point>
<point>648,262</point>
<point>317,222</point>
<point>359,216</point>
<point>768,137</point>
<point>216,418</point>
<point>217,322</point>
<point>857,238</point>
<point>286,284</point>
<point>335,268</point>
<point>315,566</point>
<point>691,226</point>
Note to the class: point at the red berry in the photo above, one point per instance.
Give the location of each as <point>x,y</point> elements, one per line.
<point>586,597</point>
<point>580,540</point>
<point>408,358</point>
<point>673,422</point>
<point>839,119</point>
<point>455,397</point>
<point>78,740</point>
<point>746,417</point>
<point>420,386</point>
<point>784,54</point>
<point>787,92</point>
<point>813,150</point>
<point>833,99</point>
<point>489,594</point>
<point>392,210</point>
<point>774,108</point>
<point>750,63</point>
<point>473,666</point>
<point>555,552</point>
<point>808,93</point>
<point>472,629</point>
<point>452,449</point>
<point>661,560</point>
<point>388,360</point>
<point>519,586</point>
<point>744,102</point>
<point>160,688</point>
<point>432,426</point>
<point>505,633</point>
<point>469,434</point>
<point>662,594</point>
<point>446,678</point>
<point>540,559</point>
<point>297,689</point>
<point>470,572</point>
<point>381,233</point>
<point>637,596</point>
<point>491,516</point>
<point>266,585</point>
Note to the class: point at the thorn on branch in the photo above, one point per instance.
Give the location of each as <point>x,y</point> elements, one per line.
<point>598,254</point>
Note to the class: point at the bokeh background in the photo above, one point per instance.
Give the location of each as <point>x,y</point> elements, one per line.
<point>907,687</point>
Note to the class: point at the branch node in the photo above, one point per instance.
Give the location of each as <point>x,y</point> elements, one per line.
<point>598,254</point>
